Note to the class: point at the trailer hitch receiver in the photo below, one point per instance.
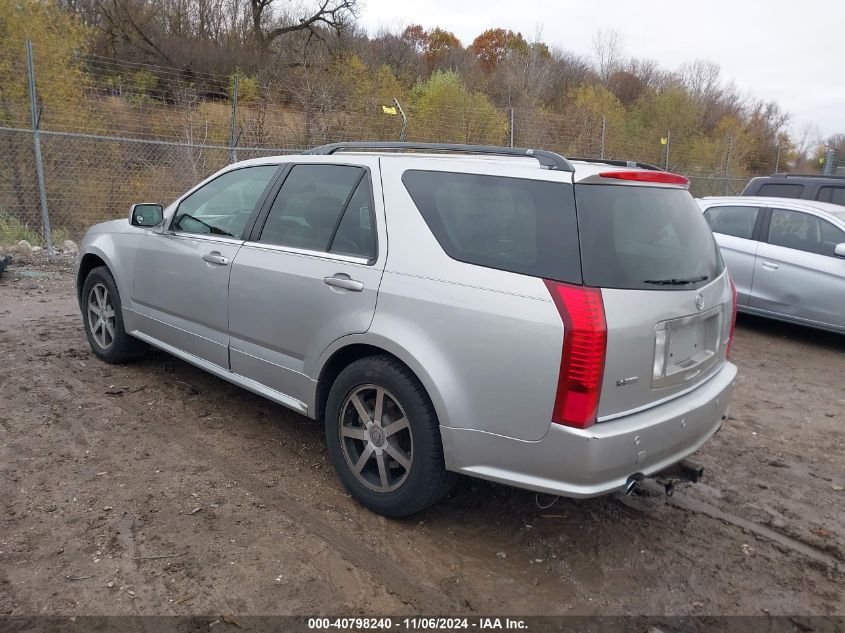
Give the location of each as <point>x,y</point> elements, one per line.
<point>685,471</point>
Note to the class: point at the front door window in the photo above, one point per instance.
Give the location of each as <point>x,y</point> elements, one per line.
<point>223,206</point>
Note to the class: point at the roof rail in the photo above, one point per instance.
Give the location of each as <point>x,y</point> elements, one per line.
<point>619,163</point>
<point>548,159</point>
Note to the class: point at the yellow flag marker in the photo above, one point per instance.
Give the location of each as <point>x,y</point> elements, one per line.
<point>388,109</point>
<point>664,140</point>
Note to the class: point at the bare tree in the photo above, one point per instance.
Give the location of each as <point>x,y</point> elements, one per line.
<point>523,76</point>
<point>607,48</point>
<point>566,72</point>
<point>191,127</point>
<point>389,46</point>
<point>330,15</point>
<point>702,79</point>
<point>130,22</point>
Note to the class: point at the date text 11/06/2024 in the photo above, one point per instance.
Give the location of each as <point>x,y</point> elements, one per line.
<point>417,624</point>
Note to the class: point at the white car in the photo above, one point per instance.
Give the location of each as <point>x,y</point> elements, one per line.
<point>786,256</point>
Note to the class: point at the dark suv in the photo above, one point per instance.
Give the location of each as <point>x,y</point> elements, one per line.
<point>805,187</point>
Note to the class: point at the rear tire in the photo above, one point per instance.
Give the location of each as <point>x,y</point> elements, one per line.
<point>103,319</point>
<point>392,461</point>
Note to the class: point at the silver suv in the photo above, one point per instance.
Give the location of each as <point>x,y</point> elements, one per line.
<point>503,313</point>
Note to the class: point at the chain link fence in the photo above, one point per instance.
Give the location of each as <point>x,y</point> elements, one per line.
<point>118,133</point>
<point>91,178</point>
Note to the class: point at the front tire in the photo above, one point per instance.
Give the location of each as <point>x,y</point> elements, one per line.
<point>103,319</point>
<point>383,438</point>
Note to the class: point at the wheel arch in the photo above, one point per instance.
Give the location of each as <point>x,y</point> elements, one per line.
<point>354,347</point>
<point>88,262</point>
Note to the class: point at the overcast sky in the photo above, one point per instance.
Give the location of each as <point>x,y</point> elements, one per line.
<point>782,50</point>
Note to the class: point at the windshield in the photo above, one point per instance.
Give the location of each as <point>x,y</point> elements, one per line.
<point>651,238</point>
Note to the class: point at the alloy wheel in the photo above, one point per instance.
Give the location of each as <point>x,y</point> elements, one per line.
<point>101,315</point>
<point>375,437</point>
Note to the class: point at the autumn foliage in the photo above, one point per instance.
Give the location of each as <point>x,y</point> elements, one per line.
<point>494,45</point>
<point>307,74</point>
<point>434,46</point>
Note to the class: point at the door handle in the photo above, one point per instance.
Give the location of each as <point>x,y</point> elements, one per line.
<point>344,281</point>
<point>214,257</point>
<point>770,265</point>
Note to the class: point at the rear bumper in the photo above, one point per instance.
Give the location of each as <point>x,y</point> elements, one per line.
<point>595,461</point>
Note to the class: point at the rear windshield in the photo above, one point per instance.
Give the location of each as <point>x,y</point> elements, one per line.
<point>644,238</point>
<point>513,224</point>
<point>781,190</point>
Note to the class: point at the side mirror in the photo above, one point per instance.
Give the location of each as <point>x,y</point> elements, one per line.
<point>839,251</point>
<point>146,215</point>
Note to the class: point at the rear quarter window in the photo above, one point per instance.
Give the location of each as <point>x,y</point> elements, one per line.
<point>513,224</point>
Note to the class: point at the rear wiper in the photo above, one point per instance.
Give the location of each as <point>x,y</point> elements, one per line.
<point>676,282</point>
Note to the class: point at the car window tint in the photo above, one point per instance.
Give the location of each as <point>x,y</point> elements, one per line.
<point>836,195</point>
<point>307,208</point>
<point>513,224</point>
<point>804,232</point>
<point>736,221</point>
<point>223,206</point>
<point>781,190</point>
<point>356,233</point>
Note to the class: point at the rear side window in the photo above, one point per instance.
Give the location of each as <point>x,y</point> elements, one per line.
<point>736,221</point>
<point>836,195</point>
<point>647,238</point>
<point>323,208</point>
<point>781,190</point>
<point>513,224</point>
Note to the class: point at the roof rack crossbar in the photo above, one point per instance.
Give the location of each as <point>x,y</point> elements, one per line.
<point>619,163</point>
<point>548,159</point>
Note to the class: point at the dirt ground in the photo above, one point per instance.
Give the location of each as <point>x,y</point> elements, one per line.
<point>155,488</point>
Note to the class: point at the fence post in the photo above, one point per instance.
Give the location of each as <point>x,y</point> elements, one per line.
<point>728,163</point>
<point>510,126</point>
<point>233,132</point>
<point>404,129</point>
<point>39,165</point>
<point>603,136</point>
<point>777,159</point>
<point>668,143</point>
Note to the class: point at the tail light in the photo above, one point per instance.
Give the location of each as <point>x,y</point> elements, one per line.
<point>582,360</point>
<point>733,317</point>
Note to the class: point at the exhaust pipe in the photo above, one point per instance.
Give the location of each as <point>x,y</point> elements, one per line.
<point>632,483</point>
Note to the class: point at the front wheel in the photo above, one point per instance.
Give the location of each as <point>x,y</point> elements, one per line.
<point>383,438</point>
<point>103,319</point>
